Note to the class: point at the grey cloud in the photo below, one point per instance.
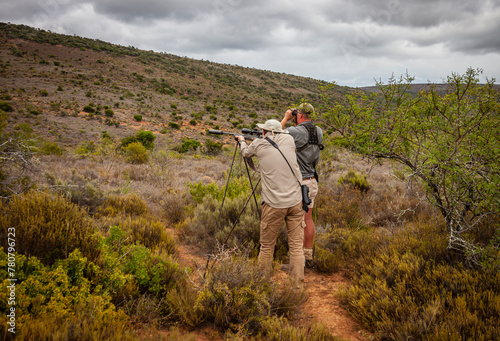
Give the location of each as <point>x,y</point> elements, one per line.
<point>126,10</point>
<point>346,40</point>
<point>33,11</point>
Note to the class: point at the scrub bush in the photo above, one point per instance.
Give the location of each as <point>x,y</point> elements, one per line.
<point>129,205</point>
<point>356,181</point>
<point>236,297</point>
<point>279,328</point>
<point>146,231</point>
<point>49,226</point>
<point>213,147</point>
<point>136,153</point>
<point>51,148</point>
<point>413,289</point>
<point>60,302</point>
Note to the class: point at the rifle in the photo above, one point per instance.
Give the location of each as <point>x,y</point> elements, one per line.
<point>248,134</point>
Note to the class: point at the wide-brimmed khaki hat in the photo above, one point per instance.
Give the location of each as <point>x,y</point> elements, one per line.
<point>271,125</point>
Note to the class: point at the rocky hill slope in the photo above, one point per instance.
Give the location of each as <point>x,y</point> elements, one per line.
<point>70,89</point>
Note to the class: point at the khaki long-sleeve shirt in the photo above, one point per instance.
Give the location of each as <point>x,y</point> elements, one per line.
<point>280,188</point>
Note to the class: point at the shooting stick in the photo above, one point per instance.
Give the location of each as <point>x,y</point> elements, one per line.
<point>222,205</point>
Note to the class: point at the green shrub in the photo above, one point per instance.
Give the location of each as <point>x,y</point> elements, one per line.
<point>174,125</point>
<point>60,302</point>
<point>49,226</point>
<point>327,261</point>
<point>344,248</point>
<point>128,205</point>
<point>147,138</point>
<point>189,144</point>
<point>5,106</point>
<point>356,181</point>
<point>236,187</point>
<point>213,147</point>
<point>86,147</point>
<point>136,153</point>
<point>130,270</point>
<point>44,93</point>
<point>109,112</point>
<point>148,232</point>
<point>138,117</point>
<point>51,148</point>
<point>89,109</point>
<point>105,135</point>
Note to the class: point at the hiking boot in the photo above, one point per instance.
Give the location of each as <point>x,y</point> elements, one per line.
<point>310,264</point>
<point>285,267</point>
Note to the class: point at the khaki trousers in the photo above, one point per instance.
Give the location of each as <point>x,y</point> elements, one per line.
<point>272,220</point>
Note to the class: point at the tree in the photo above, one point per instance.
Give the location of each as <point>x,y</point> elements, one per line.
<point>450,141</point>
<point>16,160</point>
<point>146,138</point>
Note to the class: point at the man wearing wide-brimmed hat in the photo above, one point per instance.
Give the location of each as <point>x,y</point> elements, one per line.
<point>281,195</point>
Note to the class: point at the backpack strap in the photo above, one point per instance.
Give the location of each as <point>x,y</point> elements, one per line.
<point>312,138</point>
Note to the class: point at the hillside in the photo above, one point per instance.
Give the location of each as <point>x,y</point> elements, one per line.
<point>66,83</point>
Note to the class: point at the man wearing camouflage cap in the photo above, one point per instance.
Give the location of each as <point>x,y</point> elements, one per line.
<point>308,141</point>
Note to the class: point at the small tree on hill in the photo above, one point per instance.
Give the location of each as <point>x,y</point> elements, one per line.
<point>16,161</point>
<point>449,141</point>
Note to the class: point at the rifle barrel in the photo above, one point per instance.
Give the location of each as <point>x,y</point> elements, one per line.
<point>220,132</point>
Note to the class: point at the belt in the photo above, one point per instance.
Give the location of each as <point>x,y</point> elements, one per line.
<point>312,177</point>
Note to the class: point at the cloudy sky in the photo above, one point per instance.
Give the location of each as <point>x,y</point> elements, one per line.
<point>350,42</point>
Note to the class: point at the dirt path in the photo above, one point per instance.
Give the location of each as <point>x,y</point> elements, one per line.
<point>322,305</point>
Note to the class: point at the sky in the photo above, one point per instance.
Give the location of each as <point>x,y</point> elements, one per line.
<point>352,43</point>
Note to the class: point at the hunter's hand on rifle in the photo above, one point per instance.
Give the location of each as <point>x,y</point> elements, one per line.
<point>239,138</point>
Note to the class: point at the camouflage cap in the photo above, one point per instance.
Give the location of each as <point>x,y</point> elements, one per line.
<point>306,108</point>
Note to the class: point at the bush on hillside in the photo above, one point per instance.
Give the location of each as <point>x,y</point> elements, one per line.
<point>136,153</point>
<point>5,106</point>
<point>49,226</point>
<point>355,180</point>
<point>51,148</point>
<point>146,138</point>
<point>144,230</point>
<point>189,144</point>
<point>212,147</point>
<point>127,205</point>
